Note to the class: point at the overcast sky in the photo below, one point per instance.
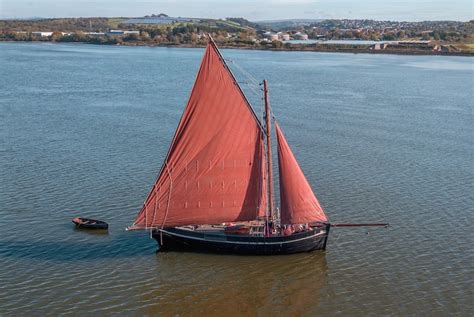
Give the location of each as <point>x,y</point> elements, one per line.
<point>401,10</point>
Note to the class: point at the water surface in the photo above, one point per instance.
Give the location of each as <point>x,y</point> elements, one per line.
<point>381,138</point>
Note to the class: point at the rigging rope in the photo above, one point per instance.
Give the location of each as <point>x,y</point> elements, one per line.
<point>256,87</point>
<point>244,72</point>
<point>167,203</point>
<point>155,188</point>
<point>252,82</point>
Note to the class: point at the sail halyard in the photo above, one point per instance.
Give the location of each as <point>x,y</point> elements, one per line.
<point>214,169</point>
<point>298,203</point>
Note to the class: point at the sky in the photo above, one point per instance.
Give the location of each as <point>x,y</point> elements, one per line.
<point>254,10</point>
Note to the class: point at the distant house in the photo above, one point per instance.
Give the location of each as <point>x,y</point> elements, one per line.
<point>121,32</point>
<point>115,32</point>
<point>378,46</point>
<point>274,37</point>
<point>271,36</point>
<point>300,36</point>
<point>95,33</point>
<point>42,33</point>
<point>285,37</point>
<point>414,42</point>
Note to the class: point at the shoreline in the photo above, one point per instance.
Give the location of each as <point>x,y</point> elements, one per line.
<point>353,51</point>
<point>301,48</point>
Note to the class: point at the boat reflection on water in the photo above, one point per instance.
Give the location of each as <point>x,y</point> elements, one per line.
<point>288,285</point>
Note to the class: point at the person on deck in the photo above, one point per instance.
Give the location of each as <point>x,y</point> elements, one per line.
<point>287,230</point>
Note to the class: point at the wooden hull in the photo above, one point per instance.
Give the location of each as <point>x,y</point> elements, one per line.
<point>90,223</point>
<point>176,239</point>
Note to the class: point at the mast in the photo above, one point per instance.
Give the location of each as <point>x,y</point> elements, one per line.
<point>269,148</point>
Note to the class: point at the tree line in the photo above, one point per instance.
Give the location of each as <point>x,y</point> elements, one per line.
<point>231,31</point>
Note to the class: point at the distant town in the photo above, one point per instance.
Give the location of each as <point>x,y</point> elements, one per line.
<point>428,37</point>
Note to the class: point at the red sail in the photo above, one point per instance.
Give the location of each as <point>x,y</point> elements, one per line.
<point>214,171</point>
<point>298,202</point>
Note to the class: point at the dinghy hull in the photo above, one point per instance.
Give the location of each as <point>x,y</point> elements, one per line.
<point>86,223</point>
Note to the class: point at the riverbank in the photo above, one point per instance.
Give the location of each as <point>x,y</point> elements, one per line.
<point>337,49</point>
<point>319,48</point>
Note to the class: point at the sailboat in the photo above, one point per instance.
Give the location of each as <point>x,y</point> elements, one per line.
<point>215,190</point>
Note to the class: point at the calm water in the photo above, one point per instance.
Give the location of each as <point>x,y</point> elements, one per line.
<point>84,130</point>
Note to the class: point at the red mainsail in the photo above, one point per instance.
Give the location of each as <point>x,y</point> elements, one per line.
<point>297,200</point>
<point>214,170</point>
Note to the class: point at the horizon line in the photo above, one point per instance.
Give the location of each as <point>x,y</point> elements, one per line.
<point>202,18</point>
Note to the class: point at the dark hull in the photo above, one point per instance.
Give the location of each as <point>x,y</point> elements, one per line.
<point>90,223</point>
<point>175,239</point>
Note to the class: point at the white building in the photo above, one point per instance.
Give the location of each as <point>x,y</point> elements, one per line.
<point>121,32</point>
<point>42,33</point>
<point>95,33</point>
<point>301,36</point>
<point>271,36</point>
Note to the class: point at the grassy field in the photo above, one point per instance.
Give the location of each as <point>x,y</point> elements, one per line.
<point>465,47</point>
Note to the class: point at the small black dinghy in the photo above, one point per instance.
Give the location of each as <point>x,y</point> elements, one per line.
<point>90,223</point>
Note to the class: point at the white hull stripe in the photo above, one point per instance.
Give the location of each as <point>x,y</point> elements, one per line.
<point>239,242</point>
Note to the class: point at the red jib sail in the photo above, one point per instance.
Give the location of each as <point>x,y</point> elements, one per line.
<point>298,202</point>
<point>214,171</point>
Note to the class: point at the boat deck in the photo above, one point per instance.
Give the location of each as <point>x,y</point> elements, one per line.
<point>256,229</point>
